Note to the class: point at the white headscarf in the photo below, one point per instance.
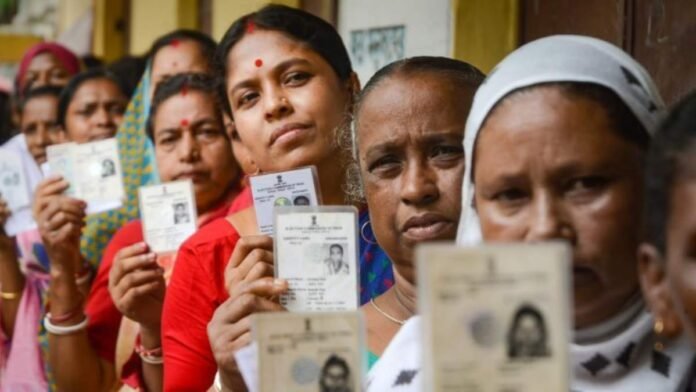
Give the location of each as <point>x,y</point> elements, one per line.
<point>560,58</point>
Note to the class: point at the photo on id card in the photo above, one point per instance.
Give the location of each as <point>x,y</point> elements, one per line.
<point>13,182</point>
<point>168,213</point>
<point>298,187</point>
<point>316,251</point>
<point>309,352</point>
<point>495,317</point>
<point>93,171</point>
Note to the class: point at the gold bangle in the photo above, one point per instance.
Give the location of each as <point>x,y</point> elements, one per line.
<point>7,295</point>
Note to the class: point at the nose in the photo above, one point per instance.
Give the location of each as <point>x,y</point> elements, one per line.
<point>419,185</point>
<point>277,105</point>
<point>189,150</point>
<point>42,135</point>
<point>547,220</point>
<point>103,118</point>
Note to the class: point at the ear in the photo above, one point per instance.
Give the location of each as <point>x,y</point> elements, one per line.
<point>652,274</point>
<point>354,83</point>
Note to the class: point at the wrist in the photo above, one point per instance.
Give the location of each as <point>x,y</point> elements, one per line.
<point>150,336</point>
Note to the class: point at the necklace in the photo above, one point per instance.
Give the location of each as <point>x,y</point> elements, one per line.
<point>383,313</point>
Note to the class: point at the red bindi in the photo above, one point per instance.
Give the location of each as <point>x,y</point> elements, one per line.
<point>258,62</point>
<point>175,43</point>
<point>184,90</point>
<point>184,123</point>
<point>250,26</point>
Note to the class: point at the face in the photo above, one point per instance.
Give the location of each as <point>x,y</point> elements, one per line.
<point>410,132</point>
<point>45,70</point>
<point>335,378</point>
<point>286,100</point>
<point>182,56</point>
<point>39,124</point>
<point>566,175</point>
<point>95,111</point>
<point>190,143</point>
<point>241,153</point>
<point>528,334</point>
<point>336,254</point>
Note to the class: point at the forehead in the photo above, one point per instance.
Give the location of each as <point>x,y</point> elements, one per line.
<point>271,47</point>
<point>44,105</point>
<point>44,61</point>
<point>99,88</point>
<point>180,56</point>
<point>192,106</point>
<point>413,103</point>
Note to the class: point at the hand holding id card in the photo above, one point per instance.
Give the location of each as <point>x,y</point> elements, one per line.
<point>495,317</point>
<point>168,212</point>
<point>282,189</point>
<point>314,352</point>
<point>93,171</point>
<point>316,251</point>
<point>14,190</point>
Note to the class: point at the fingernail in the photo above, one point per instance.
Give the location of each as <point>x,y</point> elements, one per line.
<point>278,282</point>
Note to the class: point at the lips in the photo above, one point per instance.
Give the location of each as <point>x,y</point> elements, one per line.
<point>193,175</point>
<point>427,227</point>
<point>287,132</point>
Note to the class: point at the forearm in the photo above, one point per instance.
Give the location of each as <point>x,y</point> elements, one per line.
<point>75,364</point>
<point>12,286</point>
<point>153,374</point>
<point>232,382</point>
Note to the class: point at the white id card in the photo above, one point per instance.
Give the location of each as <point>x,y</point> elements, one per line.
<point>316,251</point>
<point>309,352</point>
<point>169,215</point>
<point>93,171</point>
<point>495,317</point>
<point>15,191</point>
<point>282,189</point>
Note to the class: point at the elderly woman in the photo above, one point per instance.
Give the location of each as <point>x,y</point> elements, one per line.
<point>573,117</point>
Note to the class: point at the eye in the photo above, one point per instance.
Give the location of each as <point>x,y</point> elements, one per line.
<point>447,152</point>
<point>296,78</point>
<point>209,133</point>
<point>586,184</point>
<point>511,196</point>
<point>117,109</point>
<point>246,99</point>
<point>384,165</point>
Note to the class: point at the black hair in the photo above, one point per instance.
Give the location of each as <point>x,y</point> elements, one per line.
<point>522,311</point>
<point>333,360</point>
<point>76,82</point>
<point>299,25</point>
<point>671,158</point>
<point>621,118</point>
<point>459,72</point>
<point>129,69</point>
<point>336,246</point>
<point>206,44</point>
<point>6,128</point>
<point>176,85</point>
<point>53,91</point>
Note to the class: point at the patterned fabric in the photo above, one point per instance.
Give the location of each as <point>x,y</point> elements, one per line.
<point>380,276</point>
<point>139,168</point>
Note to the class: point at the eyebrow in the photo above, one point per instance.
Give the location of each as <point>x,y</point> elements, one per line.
<point>427,139</point>
<point>197,123</point>
<point>279,67</point>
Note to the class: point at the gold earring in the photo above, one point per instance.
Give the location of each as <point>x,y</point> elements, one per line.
<point>658,328</point>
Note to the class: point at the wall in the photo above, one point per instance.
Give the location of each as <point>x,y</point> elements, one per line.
<point>227,11</point>
<point>364,26</point>
<point>149,19</point>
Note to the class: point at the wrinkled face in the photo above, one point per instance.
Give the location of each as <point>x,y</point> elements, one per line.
<point>410,131</point>
<point>182,56</point>
<point>95,111</point>
<point>681,252</point>
<point>286,101</point>
<point>190,143</point>
<point>39,124</point>
<point>559,171</point>
<point>528,335</point>
<point>45,70</point>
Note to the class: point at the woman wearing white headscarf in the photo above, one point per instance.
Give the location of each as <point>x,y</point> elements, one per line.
<point>555,146</point>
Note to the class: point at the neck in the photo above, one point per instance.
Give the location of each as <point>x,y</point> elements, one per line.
<point>404,292</point>
<point>229,194</point>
